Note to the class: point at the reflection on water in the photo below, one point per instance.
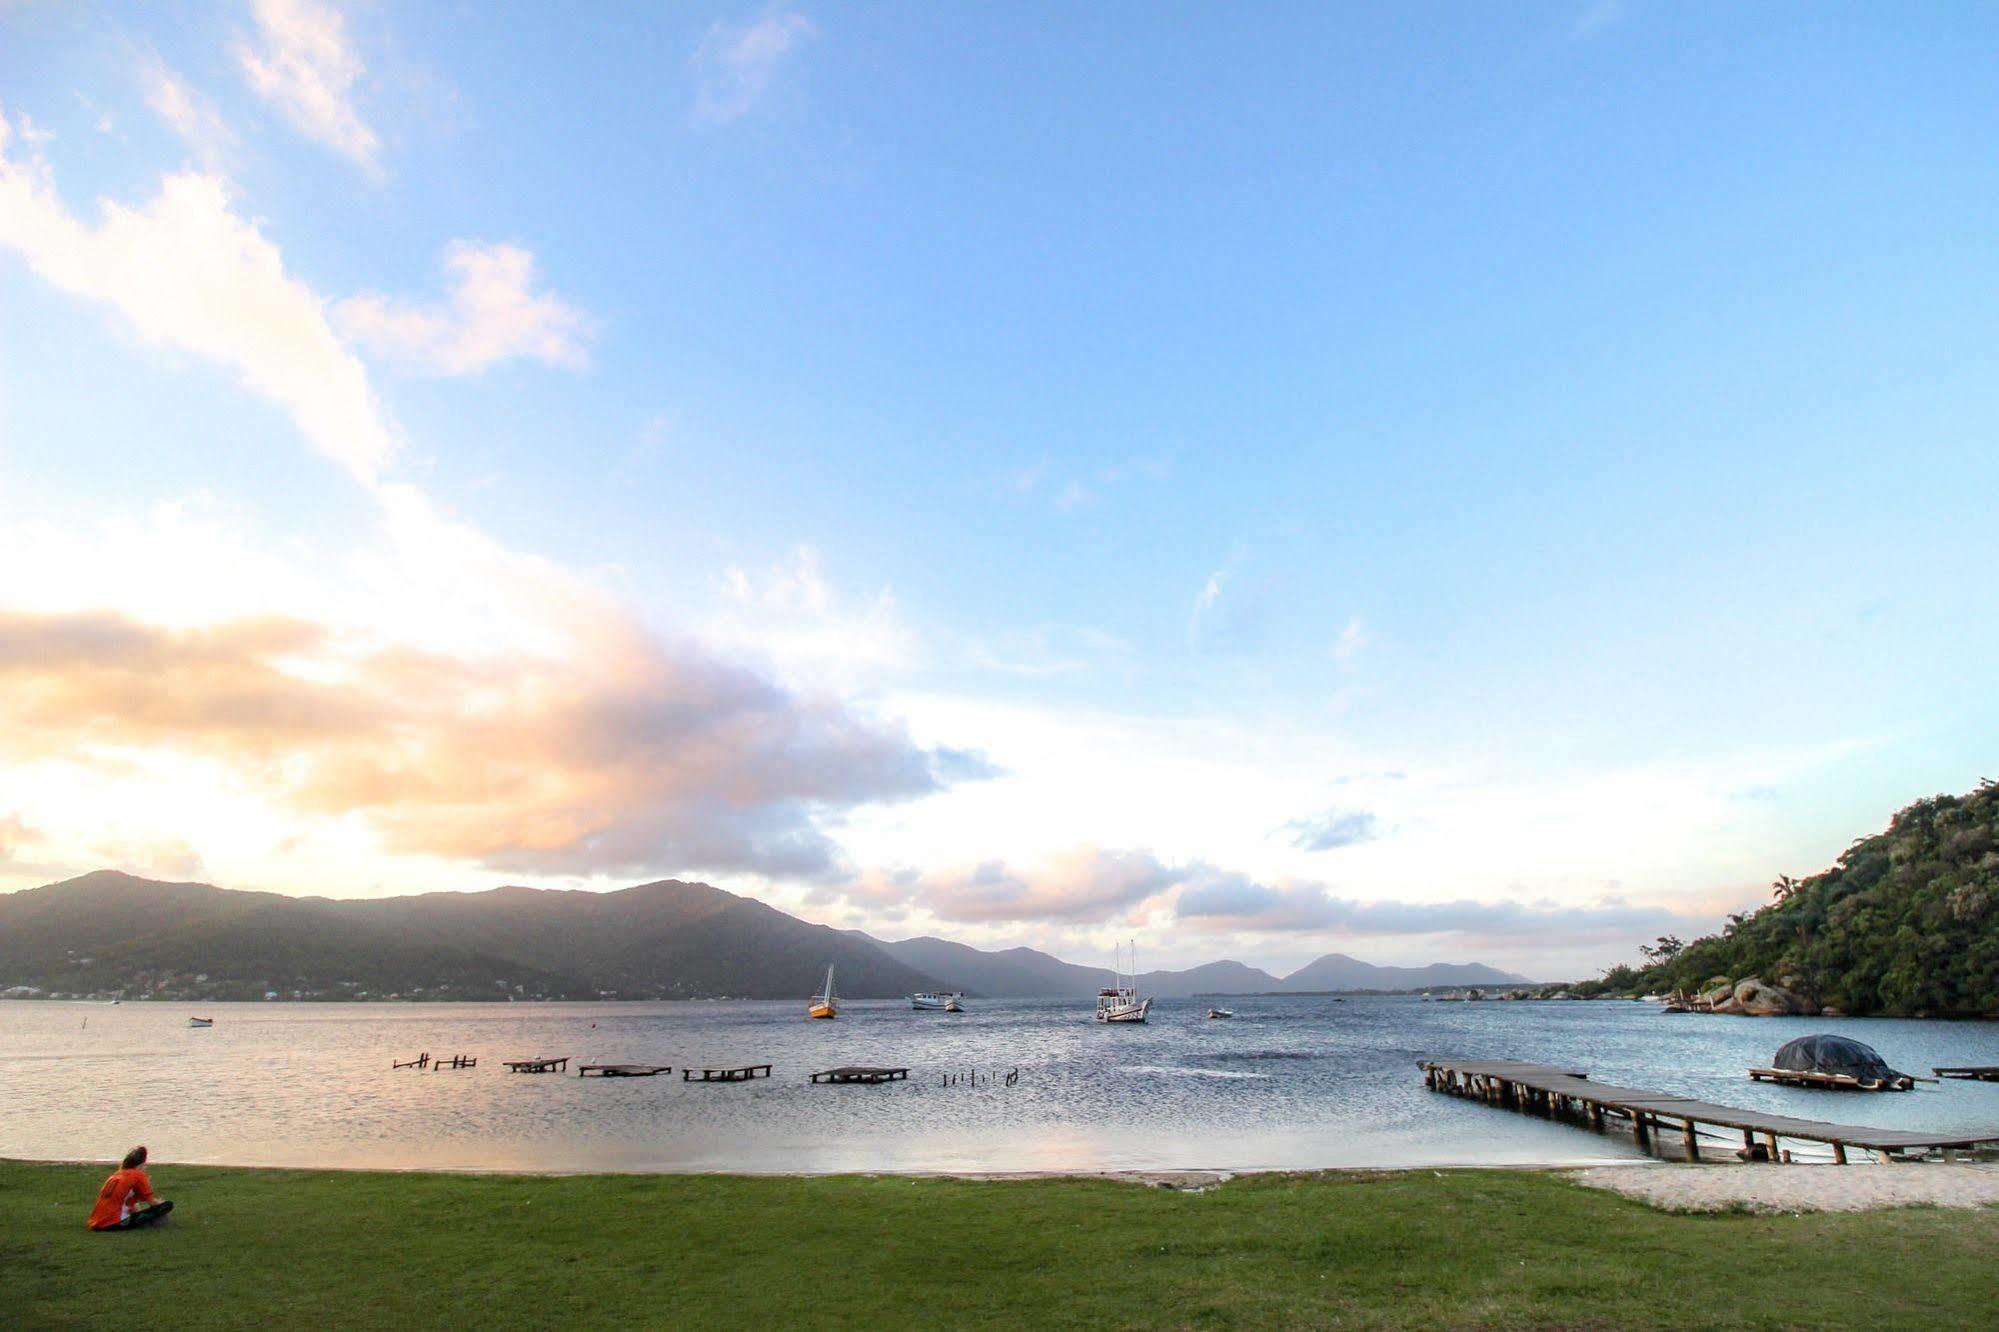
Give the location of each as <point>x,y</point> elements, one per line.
<point>1288,1083</point>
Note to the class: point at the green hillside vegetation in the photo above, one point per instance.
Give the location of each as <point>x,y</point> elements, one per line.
<point>1905,923</point>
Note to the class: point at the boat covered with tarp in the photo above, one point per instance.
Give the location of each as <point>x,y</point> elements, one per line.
<point>1834,1061</point>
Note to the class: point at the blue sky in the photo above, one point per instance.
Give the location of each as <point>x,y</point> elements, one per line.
<point>1017,473</point>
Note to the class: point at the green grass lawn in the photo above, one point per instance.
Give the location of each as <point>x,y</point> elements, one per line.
<point>278,1249</point>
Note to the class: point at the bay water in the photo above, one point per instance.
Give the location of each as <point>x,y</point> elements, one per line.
<point>1294,1082</point>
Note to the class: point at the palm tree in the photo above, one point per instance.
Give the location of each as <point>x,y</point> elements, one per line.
<point>1785,888</point>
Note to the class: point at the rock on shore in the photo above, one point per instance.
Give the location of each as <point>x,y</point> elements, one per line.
<point>1755,997</point>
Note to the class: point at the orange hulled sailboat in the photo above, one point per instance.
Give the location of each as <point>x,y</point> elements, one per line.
<point>822,1004</point>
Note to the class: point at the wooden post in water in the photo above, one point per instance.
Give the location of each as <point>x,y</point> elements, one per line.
<point>1693,1140</point>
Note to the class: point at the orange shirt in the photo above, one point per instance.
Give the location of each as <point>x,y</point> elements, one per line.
<point>124,1193</point>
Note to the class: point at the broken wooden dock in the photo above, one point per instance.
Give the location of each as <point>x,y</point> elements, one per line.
<point>740,1073</point>
<point>456,1061</point>
<point>1556,1092</point>
<point>861,1073</point>
<point>1972,1072</point>
<point>621,1070</point>
<point>538,1065</point>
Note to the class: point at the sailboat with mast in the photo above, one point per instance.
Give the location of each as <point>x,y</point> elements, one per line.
<point>823,1002</point>
<point>1119,1001</point>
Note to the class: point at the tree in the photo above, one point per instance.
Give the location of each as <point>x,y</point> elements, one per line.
<point>1900,923</point>
<point>1668,948</point>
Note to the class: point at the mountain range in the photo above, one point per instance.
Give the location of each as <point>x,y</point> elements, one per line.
<point>1023,973</point>
<point>110,933</point>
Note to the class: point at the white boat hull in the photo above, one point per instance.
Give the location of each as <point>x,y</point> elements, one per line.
<point>935,1003</point>
<point>1131,1013</point>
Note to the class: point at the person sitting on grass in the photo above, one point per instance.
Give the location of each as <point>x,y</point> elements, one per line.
<point>126,1201</point>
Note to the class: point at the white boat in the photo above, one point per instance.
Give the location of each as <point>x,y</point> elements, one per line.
<point>942,1002</point>
<point>201,1022</point>
<point>1220,1013</point>
<point>1119,1002</point>
<point>952,1005</point>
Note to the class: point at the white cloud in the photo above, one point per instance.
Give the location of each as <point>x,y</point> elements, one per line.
<point>306,68</point>
<point>186,272</point>
<point>1333,829</point>
<point>492,314</point>
<point>797,624</point>
<point>1083,884</point>
<point>735,65</point>
<point>186,112</point>
<point>1528,823</point>
<point>1352,639</point>
<point>1087,884</point>
<point>1594,17</point>
<point>1211,590</point>
<point>1084,487</point>
<point>1229,613</point>
<point>431,697</point>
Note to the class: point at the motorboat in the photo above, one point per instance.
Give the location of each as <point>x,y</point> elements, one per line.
<point>936,1003</point>
<point>1220,1013</point>
<point>200,1022</point>
<point>1119,1001</point>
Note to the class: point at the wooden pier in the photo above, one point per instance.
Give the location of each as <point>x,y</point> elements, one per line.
<point>456,1061</point>
<point>1798,1077</point>
<point>741,1073</point>
<point>1973,1072</point>
<point>1557,1092</point>
<point>621,1070</point>
<point>538,1065</point>
<point>421,1061</point>
<point>861,1073</point>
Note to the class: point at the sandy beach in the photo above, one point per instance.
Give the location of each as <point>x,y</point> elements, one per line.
<point>1799,1188</point>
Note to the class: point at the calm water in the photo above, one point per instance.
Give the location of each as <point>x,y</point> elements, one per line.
<point>1289,1083</point>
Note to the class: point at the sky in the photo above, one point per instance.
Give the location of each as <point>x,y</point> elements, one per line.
<point>1456,483</point>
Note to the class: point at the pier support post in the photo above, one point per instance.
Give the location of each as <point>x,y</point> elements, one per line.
<point>1692,1139</point>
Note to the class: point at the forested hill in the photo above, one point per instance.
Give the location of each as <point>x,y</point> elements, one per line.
<point>1906,922</point>
<point>113,934</point>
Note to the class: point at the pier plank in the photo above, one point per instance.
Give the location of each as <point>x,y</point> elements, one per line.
<point>737,1073</point>
<point>1550,1085</point>
<point>860,1073</point>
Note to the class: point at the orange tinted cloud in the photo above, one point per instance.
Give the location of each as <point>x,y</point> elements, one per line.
<point>646,757</point>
